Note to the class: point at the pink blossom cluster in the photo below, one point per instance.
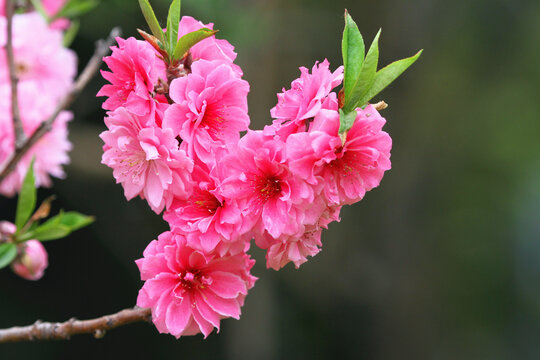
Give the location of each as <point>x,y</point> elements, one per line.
<point>173,139</point>
<point>45,70</point>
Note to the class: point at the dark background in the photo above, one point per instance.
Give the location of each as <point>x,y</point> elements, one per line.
<point>441,262</point>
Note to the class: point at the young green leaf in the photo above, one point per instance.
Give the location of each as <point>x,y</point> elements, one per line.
<point>386,75</point>
<point>75,8</point>
<point>52,232</point>
<point>365,79</point>
<point>71,32</point>
<point>38,6</point>
<point>187,41</point>
<point>173,20</point>
<point>75,220</point>
<point>352,48</point>
<point>8,252</point>
<point>27,199</point>
<point>346,120</point>
<point>151,20</point>
<point>58,226</point>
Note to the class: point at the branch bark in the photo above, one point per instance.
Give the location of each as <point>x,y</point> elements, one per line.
<point>63,331</point>
<point>102,49</point>
<point>18,130</point>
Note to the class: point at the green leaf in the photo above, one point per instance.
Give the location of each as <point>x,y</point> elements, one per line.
<point>8,252</point>
<point>173,20</point>
<point>386,75</point>
<point>75,8</point>
<point>352,48</point>
<point>40,9</point>
<point>187,41</point>
<point>366,77</point>
<point>75,220</point>
<point>27,198</point>
<point>151,20</point>
<point>346,120</point>
<point>52,232</point>
<point>71,32</point>
<point>58,226</point>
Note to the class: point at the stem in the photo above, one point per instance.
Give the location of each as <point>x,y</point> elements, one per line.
<point>18,130</point>
<point>102,49</point>
<point>63,331</point>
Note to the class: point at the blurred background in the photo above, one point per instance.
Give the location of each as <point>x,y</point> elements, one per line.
<point>441,262</point>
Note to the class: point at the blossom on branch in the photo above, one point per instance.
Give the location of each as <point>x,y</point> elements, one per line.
<point>188,290</point>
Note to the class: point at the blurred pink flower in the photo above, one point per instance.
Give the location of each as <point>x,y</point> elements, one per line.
<point>50,152</point>
<point>40,57</point>
<point>190,291</point>
<point>31,261</point>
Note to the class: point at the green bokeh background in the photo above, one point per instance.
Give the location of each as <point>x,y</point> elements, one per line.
<point>441,262</point>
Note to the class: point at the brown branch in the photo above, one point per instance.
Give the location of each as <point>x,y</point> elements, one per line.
<point>18,130</point>
<point>63,331</point>
<point>102,49</point>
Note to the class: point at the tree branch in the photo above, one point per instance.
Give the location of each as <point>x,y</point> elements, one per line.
<point>102,49</point>
<point>63,331</point>
<point>18,130</point>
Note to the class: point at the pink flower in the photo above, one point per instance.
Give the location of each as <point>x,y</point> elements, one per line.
<point>210,108</point>
<point>135,70</point>
<point>32,261</point>
<point>39,56</point>
<point>270,196</point>
<point>306,97</point>
<point>207,218</point>
<point>347,170</point>
<point>52,7</point>
<point>294,248</point>
<point>306,242</point>
<point>188,290</point>
<point>209,48</point>
<point>145,160</point>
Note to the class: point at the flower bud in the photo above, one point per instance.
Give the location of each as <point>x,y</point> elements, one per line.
<point>32,260</point>
<point>7,228</point>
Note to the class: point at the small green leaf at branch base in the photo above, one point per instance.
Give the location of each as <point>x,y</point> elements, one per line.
<point>352,48</point>
<point>75,220</point>
<point>346,120</point>
<point>187,41</point>
<point>71,32</point>
<point>151,20</point>
<point>27,199</point>
<point>75,8</point>
<point>8,252</point>
<point>173,20</point>
<point>58,226</point>
<point>387,75</point>
<point>365,79</point>
<point>38,6</point>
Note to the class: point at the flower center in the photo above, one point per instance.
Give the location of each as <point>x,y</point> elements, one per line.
<point>268,187</point>
<point>192,279</point>
<point>346,164</point>
<point>213,120</point>
<point>208,203</point>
